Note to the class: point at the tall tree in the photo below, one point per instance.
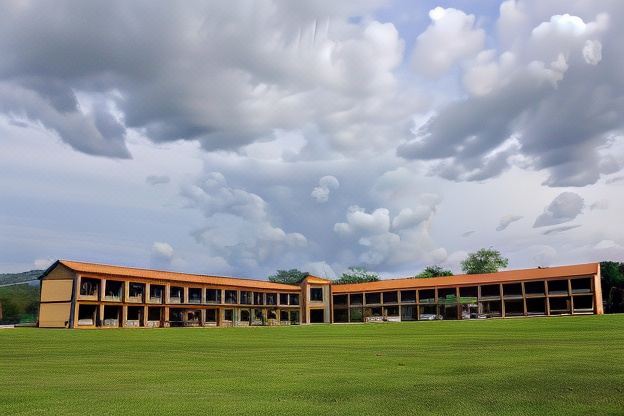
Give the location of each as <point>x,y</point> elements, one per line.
<point>485,260</point>
<point>612,282</point>
<point>289,277</point>
<point>434,271</point>
<point>357,275</point>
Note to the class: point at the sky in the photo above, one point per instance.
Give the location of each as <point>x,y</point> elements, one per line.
<point>237,138</point>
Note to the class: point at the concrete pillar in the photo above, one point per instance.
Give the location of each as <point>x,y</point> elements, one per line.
<point>101,314</point>
<point>102,289</point>
<point>167,292</point>
<point>124,316</point>
<point>126,290</point>
<point>146,294</point>
<point>166,316</point>
<point>145,315</point>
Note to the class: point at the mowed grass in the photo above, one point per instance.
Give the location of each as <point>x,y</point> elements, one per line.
<point>563,366</point>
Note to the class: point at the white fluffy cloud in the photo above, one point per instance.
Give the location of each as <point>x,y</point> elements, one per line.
<point>451,37</point>
<point>564,208</point>
<point>321,192</point>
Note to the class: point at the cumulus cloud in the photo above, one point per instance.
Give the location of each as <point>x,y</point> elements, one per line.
<point>383,240</point>
<point>451,37</point>
<point>238,225</point>
<point>564,208</point>
<point>157,179</point>
<point>518,99</point>
<point>224,75</point>
<point>162,255</point>
<point>600,204</point>
<point>321,192</point>
<point>507,220</point>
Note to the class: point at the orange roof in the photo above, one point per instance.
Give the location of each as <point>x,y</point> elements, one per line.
<point>468,279</point>
<point>317,280</point>
<point>108,270</point>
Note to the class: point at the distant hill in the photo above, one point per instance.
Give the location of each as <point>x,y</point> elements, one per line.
<point>12,278</point>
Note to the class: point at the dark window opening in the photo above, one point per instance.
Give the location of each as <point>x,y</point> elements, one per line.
<point>584,303</point>
<point>468,294</point>
<point>426,296</point>
<point>390,297</point>
<point>357,315</point>
<point>176,315</point>
<point>154,314</point>
<point>113,290</point>
<point>228,315</point>
<point>258,317</point>
<point>534,288</point>
<point>317,316</point>
<point>427,312</point>
<point>490,309</point>
<point>87,314</point>
<point>258,298</point>
<point>283,298</point>
<point>294,318</point>
<point>536,306</point>
<point>375,312</point>
<point>512,290</point>
<point>213,295</point>
<point>271,298</point>
<point>356,298</point>
<point>514,307</point>
<point>447,295</point>
<point>341,315</point>
<point>557,287</point>
<point>490,291</point>
<point>272,314</point>
<point>409,313</point>
<point>391,311</point>
<point>448,311</point>
<point>284,316</point>
<point>408,296</point>
<point>316,294</point>
<point>294,298</point>
<point>89,287</point>
<point>559,306</point>
<point>194,295</point>
<point>156,293</point>
<point>135,313</point>
<point>231,296</point>
<point>176,294</point>
<point>373,298</point>
<point>245,315</point>
<point>340,299</point>
<point>581,285</point>
<point>246,298</point>
<point>469,310</point>
<point>211,315</point>
<point>112,315</point>
<point>136,290</point>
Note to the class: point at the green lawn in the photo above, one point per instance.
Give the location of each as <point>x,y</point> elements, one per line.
<point>564,366</point>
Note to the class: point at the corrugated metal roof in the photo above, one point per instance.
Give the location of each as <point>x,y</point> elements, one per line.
<point>467,279</point>
<point>109,270</point>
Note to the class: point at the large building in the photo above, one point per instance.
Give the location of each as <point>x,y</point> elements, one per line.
<point>87,295</point>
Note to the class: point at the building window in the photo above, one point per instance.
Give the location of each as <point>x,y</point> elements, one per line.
<point>113,290</point>
<point>176,294</point>
<point>194,295</point>
<point>341,315</point>
<point>316,294</point>
<point>373,298</point>
<point>89,287</point>
<point>231,296</point>
<point>228,314</point>
<point>136,290</point>
<point>246,298</point>
<point>390,297</point>
<point>284,316</point>
<point>211,315</point>
<point>294,299</point>
<point>213,295</point>
<point>356,298</point>
<point>317,316</point>
<point>271,298</point>
<point>283,299</point>
<point>258,298</point>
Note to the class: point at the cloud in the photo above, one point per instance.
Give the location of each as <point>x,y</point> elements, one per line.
<point>238,226</point>
<point>517,100</point>
<point>322,191</point>
<point>563,228</point>
<point>564,208</point>
<point>224,75</point>
<point>42,264</point>
<point>157,179</point>
<point>451,37</point>
<point>468,233</point>
<point>600,204</point>
<point>162,255</point>
<point>544,255</point>
<point>506,221</point>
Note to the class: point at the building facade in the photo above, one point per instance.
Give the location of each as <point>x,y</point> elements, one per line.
<point>88,295</point>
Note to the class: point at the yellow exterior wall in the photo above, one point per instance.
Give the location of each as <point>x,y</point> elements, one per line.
<point>54,315</point>
<point>56,290</point>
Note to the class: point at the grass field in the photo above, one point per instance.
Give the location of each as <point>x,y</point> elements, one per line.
<point>563,366</point>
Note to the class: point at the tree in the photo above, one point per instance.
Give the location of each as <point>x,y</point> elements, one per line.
<point>434,271</point>
<point>289,277</point>
<point>357,275</point>
<point>486,260</point>
<point>612,282</point>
